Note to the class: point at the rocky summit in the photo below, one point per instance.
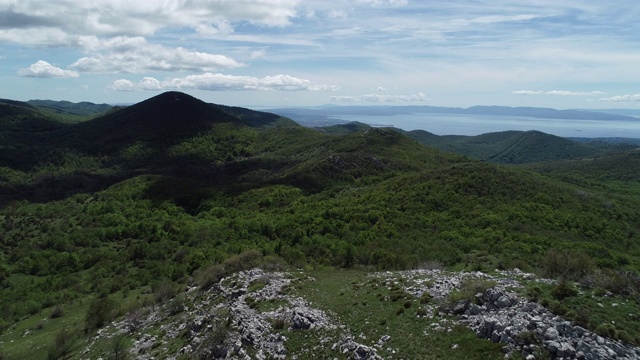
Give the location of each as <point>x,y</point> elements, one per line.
<point>258,314</point>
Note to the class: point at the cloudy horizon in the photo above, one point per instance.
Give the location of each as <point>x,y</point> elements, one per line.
<point>570,54</point>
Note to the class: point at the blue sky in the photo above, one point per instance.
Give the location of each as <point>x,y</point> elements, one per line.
<point>260,53</point>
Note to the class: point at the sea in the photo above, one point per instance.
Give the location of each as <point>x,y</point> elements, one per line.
<point>456,124</point>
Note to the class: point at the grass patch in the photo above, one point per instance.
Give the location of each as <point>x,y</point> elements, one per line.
<point>411,336</point>
<point>615,316</point>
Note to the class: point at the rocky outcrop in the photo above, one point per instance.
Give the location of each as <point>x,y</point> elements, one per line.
<point>525,326</point>
<point>504,316</point>
<point>245,316</point>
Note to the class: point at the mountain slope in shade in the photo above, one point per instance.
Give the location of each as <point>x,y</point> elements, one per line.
<point>162,121</point>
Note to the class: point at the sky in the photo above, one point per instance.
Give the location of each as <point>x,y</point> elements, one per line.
<point>272,53</point>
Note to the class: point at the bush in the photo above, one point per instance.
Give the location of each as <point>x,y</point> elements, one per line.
<point>213,346</point>
<point>279,323</point>
<point>62,345</point>
<point>563,290</point>
<point>533,293</point>
<point>57,312</point>
<point>176,305</point>
<point>607,330</point>
<point>212,274</point>
<point>163,291</point>
<point>100,312</point>
<point>557,308</point>
<point>425,298</point>
<point>527,338</point>
<point>567,265</point>
<point>469,288</point>
<point>119,347</point>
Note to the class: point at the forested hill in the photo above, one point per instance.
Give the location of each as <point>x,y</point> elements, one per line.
<point>506,147</point>
<point>159,194</point>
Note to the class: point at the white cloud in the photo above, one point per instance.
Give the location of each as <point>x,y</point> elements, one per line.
<point>258,54</point>
<point>574,93</point>
<point>378,98</point>
<point>383,3</point>
<point>222,82</point>
<point>558,93</point>
<point>623,98</point>
<point>527,92</point>
<point>136,55</point>
<point>123,85</point>
<point>42,69</point>
<point>124,17</point>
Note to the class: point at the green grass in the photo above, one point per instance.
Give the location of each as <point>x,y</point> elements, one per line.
<point>369,311</point>
<point>32,337</point>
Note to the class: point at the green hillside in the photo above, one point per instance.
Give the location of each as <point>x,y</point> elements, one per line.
<point>621,167</point>
<point>163,192</point>
<point>516,147</point>
<point>69,108</point>
<point>506,147</point>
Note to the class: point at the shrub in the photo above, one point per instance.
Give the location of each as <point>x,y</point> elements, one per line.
<point>469,288</point>
<point>57,312</point>
<point>567,265</point>
<point>607,330</point>
<point>398,294</point>
<point>557,308</point>
<point>134,320</point>
<point>425,298</point>
<point>279,323</point>
<point>213,346</point>
<point>526,338</point>
<point>563,290</point>
<point>163,291</point>
<point>210,275</point>
<point>625,337</point>
<point>176,305</point>
<point>533,293</point>
<point>100,312</point>
<point>582,318</point>
<point>119,347</point>
<point>62,345</point>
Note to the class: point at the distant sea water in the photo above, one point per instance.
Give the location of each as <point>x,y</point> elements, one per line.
<point>454,124</point>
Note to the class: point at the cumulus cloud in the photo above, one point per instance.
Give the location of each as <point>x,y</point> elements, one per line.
<point>123,85</point>
<point>381,98</point>
<point>120,17</point>
<point>558,93</point>
<point>42,69</point>
<point>136,55</point>
<point>623,98</point>
<point>222,82</point>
